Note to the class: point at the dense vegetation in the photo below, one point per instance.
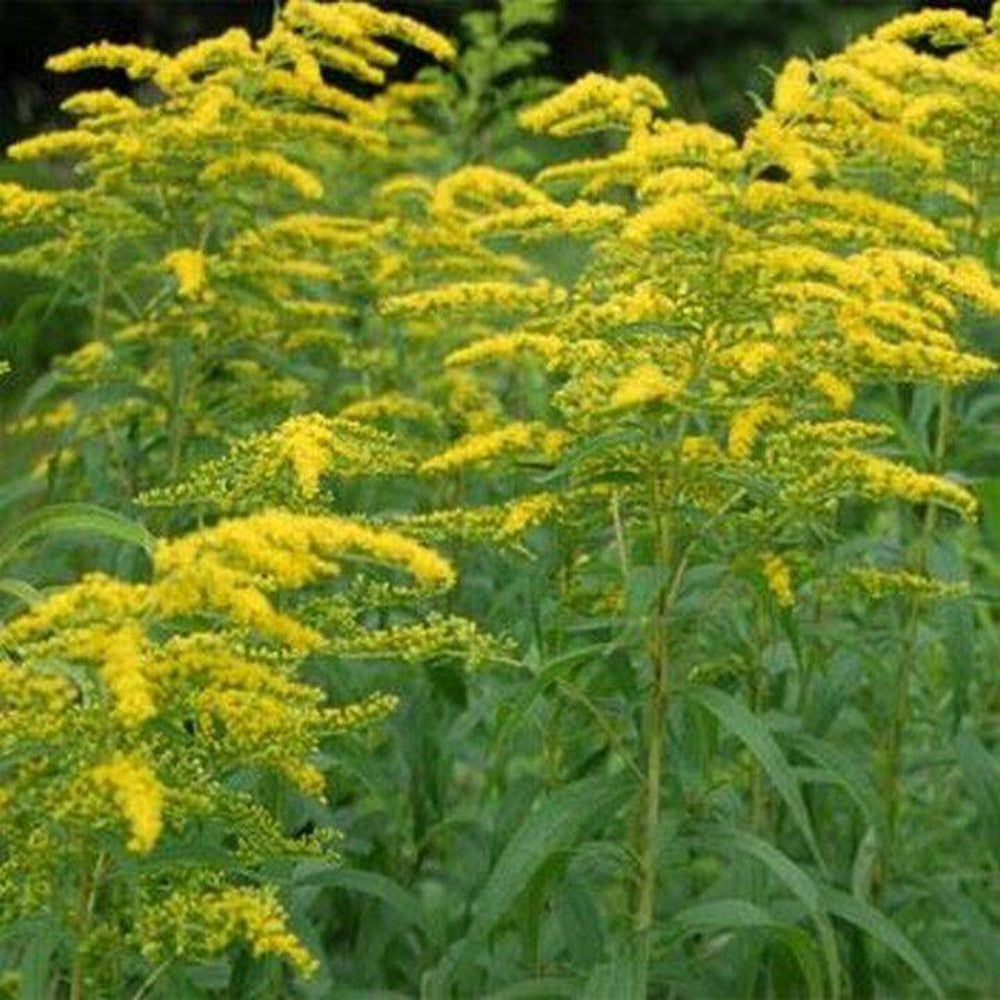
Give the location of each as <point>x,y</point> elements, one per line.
<point>488,538</point>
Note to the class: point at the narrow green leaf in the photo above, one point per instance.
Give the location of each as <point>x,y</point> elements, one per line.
<point>618,978</point>
<point>794,878</point>
<point>354,993</point>
<point>554,826</point>
<point>747,728</point>
<point>845,772</point>
<point>20,590</point>
<point>405,904</point>
<point>549,674</point>
<point>72,518</point>
<point>981,777</point>
<point>538,989</point>
<point>723,915</point>
<point>36,965</point>
<point>883,930</point>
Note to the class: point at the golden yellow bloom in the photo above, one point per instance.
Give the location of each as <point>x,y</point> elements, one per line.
<point>793,88</point>
<point>750,357</point>
<point>837,391</point>
<point>190,268</point>
<point>199,925</point>
<point>880,477</point>
<point>527,512</point>
<point>747,424</point>
<point>267,164</point>
<point>55,144</point>
<point>687,213</point>
<point>123,660</point>
<point>886,583</point>
<point>99,103</point>
<point>478,450</point>
<point>355,24</point>
<point>282,550</point>
<point>942,27</point>
<point>20,204</point>
<point>595,102</point>
<point>390,405</point>
<point>644,384</point>
<point>137,794</point>
<point>779,579</point>
<point>138,62</point>
<point>474,296</point>
<point>508,346</point>
<point>306,443</point>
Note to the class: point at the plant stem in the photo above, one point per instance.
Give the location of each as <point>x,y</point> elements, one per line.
<point>654,737</point>
<point>151,980</point>
<point>656,713</point>
<point>180,359</point>
<point>89,887</point>
<point>901,684</point>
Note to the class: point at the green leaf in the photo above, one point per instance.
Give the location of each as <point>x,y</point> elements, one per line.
<point>845,772</point>
<point>517,14</point>
<point>794,878</point>
<point>37,966</point>
<point>405,904</point>
<point>981,778</point>
<point>617,979</point>
<point>516,714</point>
<point>722,915</point>
<point>747,728</point>
<point>72,518</point>
<point>883,930</point>
<point>354,993</point>
<point>554,826</point>
<point>20,591</point>
<point>538,989</point>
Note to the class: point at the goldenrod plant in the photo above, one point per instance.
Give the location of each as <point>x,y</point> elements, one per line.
<point>553,542</point>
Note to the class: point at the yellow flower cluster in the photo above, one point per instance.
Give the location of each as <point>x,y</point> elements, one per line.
<point>137,794</point>
<point>196,925</point>
<point>644,384</point>
<point>479,450</point>
<point>238,133</point>
<point>288,464</point>
<point>270,165</point>
<point>778,575</point>
<point>190,269</point>
<point>473,298</point>
<point>596,102</point>
<point>494,524</point>
<point>837,391</point>
<point>836,285</point>
<point>881,477</point>
<point>164,688</point>
<point>229,567</point>
<point>879,583</point>
<point>508,346</point>
<point>746,426</point>
<point>21,205</point>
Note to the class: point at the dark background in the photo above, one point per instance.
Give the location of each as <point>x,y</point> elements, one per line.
<point>708,53</point>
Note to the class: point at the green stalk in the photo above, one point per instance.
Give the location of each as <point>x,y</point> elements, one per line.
<point>181,353</point>
<point>89,886</point>
<point>902,680</point>
<point>654,741</point>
